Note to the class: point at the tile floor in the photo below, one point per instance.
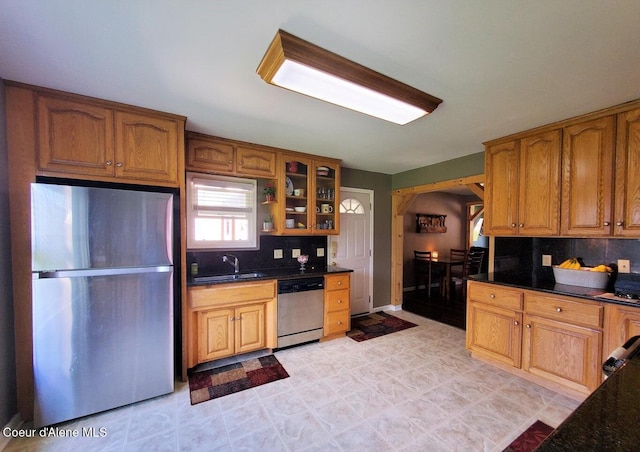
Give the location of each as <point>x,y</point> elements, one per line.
<point>417,389</point>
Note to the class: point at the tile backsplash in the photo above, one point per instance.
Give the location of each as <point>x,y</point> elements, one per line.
<point>210,262</point>
<point>525,253</point>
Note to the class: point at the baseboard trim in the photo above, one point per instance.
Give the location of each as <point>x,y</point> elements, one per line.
<point>389,307</point>
<point>14,424</point>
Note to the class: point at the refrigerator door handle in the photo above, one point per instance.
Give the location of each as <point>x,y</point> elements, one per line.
<point>100,272</point>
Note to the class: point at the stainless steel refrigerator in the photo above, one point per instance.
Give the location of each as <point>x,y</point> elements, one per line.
<point>102,299</point>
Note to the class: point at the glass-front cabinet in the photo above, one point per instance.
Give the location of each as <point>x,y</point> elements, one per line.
<point>326,186</point>
<point>307,197</point>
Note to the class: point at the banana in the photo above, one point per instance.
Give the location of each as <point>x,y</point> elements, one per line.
<point>601,268</point>
<point>572,263</point>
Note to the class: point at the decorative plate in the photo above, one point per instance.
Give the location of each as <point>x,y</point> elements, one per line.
<point>288,186</point>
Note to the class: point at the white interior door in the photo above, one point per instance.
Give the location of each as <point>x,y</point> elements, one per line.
<point>352,248</point>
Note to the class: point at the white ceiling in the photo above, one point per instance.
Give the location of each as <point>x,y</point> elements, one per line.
<point>500,66</point>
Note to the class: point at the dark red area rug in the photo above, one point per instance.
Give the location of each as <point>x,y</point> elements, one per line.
<point>376,325</point>
<point>531,438</point>
<point>219,382</point>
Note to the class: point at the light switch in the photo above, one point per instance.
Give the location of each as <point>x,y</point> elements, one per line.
<point>624,266</point>
<point>295,253</point>
<point>320,252</point>
<point>277,254</point>
<point>546,260</point>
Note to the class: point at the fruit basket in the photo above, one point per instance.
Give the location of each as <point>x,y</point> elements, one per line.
<point>582,277</point>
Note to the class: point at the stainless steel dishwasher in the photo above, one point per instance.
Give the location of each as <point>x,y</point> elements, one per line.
<point>300,310</point>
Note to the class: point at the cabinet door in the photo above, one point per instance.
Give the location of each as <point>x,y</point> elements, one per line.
<point>255,162</point>
<point>627,191</point>
<point>146,148</point>
<point>622,323</point>
<point>501,189</point>
<point>587,178</point>
<point>209,156</point>
<point>74,137</point>
<point>250,331</point>
<point>539,184</point>
<point>216,334</point>
<point>495,332</point>
<point>326,193</point>
<point>563,353</point>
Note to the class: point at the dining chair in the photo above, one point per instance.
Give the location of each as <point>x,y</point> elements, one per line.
<point>458,272</point>
<point>423,269</point>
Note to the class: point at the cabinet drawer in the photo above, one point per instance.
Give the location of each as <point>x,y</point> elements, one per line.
<point>496,295</point>
<point>337,300</point>
<point>335,282</point>
<point>336,322</point>
<point>577,312</point>
<point>229,294</point>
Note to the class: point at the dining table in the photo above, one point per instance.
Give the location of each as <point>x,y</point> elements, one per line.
<point>444,263</point>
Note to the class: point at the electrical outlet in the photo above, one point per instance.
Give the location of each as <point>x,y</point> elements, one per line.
<point>277,254</point>
<point>546,260</point>
<point>624,266</point>
<point>295,253</point>
<point>320,252</point>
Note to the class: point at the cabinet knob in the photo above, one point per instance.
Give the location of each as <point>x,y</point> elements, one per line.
<point>619,223</point>
<point>606,223</point>
<point>109,162</point>
<point>339,301</point>
<point>516,323</point>
<point>521,225</point>
<point>513,225</point>
<point>492,295</point>
<point>238,318</point>
<point>558,309</point>
<point>232,318</point>
<point>230,162</point>
<point>339,322</point>
<point>339,283</point>
<point>119,164</point>
<point>240,163</point>
<point>528,326</point>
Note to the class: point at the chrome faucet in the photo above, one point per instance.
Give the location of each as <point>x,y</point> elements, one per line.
<point>235,262</point>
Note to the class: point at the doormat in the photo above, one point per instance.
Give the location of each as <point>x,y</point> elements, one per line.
<point>376,325</point>
<point>236,377</point>
<point>531,438</point>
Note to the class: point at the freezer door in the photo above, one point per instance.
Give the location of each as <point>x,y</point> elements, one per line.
<point>87,227</point>
<point>101,342</point>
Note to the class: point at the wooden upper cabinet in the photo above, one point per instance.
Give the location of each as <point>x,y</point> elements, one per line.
<point>146,147</point>
<point>209,155</point>
<point>587,178</point>
<point>255,162</point>
<point>222,156</point>
<point>627,180</point>
<point>75,137</point>
<point>501,188</point>
<point>522,186</point>
<point>87,138</point>
<point>539,203</point>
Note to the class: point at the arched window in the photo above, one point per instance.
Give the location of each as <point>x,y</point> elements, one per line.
<point>351,205</point>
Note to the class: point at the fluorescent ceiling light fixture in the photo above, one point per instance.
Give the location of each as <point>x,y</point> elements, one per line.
<point>300,66</point>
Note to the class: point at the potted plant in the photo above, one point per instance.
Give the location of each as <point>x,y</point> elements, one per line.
<point>269,192</point>
<point>267,224</point>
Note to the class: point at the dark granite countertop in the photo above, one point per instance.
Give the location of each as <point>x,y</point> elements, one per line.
<point>528,281</point>
<point>279,274</point>
<point>608,419</point>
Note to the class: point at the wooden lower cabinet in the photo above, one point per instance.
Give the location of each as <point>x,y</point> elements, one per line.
<point>621,324</point>
<point>548,338</point>
<point>229,319</point>
<point>337,306</point>
<point>224,332</point>
<point>566,354</point>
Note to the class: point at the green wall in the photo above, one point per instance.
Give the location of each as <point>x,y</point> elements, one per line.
<point>382,185</point>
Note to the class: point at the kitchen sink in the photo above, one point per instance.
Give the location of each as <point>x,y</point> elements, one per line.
<point>224,278</point>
